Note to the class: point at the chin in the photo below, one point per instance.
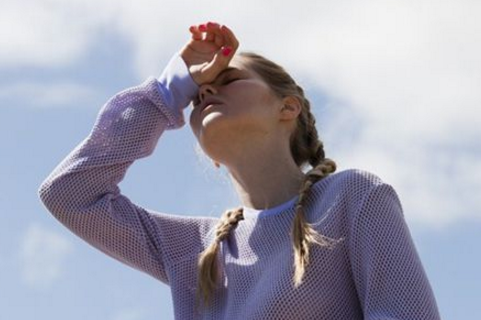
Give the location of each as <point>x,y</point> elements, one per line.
<point>207,121</point>
<point>217,135</point>
<point>215,124</point>
<point>211,120</point>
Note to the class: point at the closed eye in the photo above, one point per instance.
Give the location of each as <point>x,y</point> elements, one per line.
<point>230,80</point>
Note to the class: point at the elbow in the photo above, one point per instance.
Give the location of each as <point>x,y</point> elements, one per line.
<point>65,196</point>
<point>54,197</point>
<point>46,193</point>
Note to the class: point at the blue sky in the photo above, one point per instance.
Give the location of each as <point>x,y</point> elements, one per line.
<point>395,88</point>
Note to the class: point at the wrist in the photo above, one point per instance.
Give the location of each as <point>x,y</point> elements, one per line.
<point>177,84</point>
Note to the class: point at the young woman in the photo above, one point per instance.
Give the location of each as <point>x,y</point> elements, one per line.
<point>314,245</point>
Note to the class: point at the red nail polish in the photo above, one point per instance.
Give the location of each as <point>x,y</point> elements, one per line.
<point>226,51</point>
<point>211,24</point>
<point>202,27</point>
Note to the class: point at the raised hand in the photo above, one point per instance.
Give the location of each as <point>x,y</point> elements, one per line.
<point>209,51</point>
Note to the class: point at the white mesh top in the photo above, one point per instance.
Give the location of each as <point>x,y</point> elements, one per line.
<point>373,273</point>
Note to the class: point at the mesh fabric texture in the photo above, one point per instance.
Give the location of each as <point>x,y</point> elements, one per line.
<point>374,272</point>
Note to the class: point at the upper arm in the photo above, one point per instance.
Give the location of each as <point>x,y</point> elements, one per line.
<point>388,273</point>
<point>143,239</point>
<point>122,230</point>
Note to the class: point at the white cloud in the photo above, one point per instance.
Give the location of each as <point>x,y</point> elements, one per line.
<point>401,78</point>
<point>42,254</point>
<point>437,186</point>
<point>49,32</point>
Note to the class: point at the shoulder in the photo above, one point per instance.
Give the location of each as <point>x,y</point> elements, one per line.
<point>364,191</point>
<point>346,189</point>
<point>351,180</point>
<point>358,174</point>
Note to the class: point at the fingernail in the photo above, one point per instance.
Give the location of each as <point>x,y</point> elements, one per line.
<point>202,27</point>
<point>226,51</point>
<point>211,24</point>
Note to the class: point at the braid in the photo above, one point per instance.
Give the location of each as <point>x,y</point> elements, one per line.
<point>306,148</point>
<point>310,149</point>
<point>305,143</point>
<point>208,269</point>
<point>303,234</point>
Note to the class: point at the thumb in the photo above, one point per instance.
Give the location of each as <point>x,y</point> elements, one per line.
<point>221,59</point>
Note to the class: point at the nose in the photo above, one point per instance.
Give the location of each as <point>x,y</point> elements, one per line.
<point>206,90</point>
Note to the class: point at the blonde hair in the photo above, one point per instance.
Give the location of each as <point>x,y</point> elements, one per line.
<point>306,148</point>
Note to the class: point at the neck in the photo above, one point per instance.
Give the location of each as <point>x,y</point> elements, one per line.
<point>265,175</point>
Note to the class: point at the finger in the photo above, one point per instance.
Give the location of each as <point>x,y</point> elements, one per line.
<point>196,34</point>
<point>202,27</point>
<point>219,40</point>
<point>223,57</point>
<point>215,66</point>
<point>210,36</point>
<point>214,33</point>
<point>219,62</point>
<point>230,38</point>
<point>212,25</point>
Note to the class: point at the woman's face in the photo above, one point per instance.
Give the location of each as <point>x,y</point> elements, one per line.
<point>237,105</point>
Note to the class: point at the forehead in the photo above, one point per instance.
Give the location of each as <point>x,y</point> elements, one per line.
<point>239,63</point>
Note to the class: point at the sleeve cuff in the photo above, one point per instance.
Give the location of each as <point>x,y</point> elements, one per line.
<point>177,85</point>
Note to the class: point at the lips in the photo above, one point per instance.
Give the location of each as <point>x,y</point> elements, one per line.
<point>208,101</point>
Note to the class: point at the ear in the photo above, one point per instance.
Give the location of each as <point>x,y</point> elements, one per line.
<point>290,109</point>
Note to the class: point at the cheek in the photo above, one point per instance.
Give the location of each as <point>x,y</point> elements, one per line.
<point>260,104</point>
<point>194,121</point>
<point>251,99</point>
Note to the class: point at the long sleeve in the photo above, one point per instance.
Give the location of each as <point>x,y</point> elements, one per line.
<point>388,274</point>
<point>82,191</point>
